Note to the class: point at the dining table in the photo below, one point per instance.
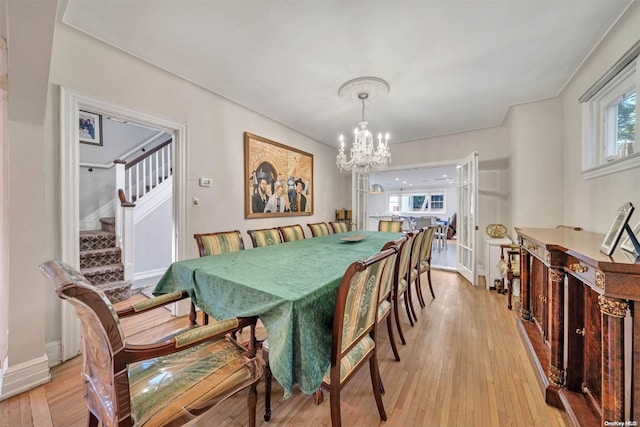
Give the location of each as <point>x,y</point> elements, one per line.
<point>292,287</point>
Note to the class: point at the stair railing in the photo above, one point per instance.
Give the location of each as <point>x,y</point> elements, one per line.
<point>139,176</point>
<point>134,179</point>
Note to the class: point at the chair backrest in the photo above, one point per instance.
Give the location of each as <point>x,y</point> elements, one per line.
<point>339,227</point>
<point>319,229</point>
<point>386,281</point>
<point>418,237</point>
<point>390,226</point>
<point>291,233</point>
<point>356,304</point>
<point>107,394</point>
<point>265,237</point>
<point>219,242</point>
<point>427,242</point>
<point>404,256</point>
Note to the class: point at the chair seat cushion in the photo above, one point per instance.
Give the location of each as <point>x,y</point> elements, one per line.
<point>424,265</point>
<point>352,359</point>
<point>414,274</point>
<point>383,308</point>
<point>402,286</point>
<point>503,267</point>
<point>190,380</point>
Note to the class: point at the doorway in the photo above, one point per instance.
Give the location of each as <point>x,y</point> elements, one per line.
<point>419,194</point>
<point>71,103</point>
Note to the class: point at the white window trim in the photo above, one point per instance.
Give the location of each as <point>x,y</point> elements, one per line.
<point>427,193</point>
<point>595,102</point>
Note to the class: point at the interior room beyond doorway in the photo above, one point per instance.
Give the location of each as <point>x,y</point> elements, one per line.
<point>418,195</point>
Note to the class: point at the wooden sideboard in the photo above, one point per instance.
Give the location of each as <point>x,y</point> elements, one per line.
<point>579,322</point>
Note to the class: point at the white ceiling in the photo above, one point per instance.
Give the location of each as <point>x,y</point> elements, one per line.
<point>452,65</point>
<point>408,180</point>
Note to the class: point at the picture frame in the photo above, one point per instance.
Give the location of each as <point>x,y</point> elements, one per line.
<point>90,128</point>
<point>268,165</point>
<point>627,244</point>
<point>618,225</point>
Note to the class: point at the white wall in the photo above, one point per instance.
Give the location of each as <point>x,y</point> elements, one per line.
<point>536,164</point>
<point>214,146</point>
<point>152,249</point>
<point>592,204</point>
<point>27,211</point>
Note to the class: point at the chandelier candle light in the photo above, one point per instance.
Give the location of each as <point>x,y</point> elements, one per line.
<point>364,155</point>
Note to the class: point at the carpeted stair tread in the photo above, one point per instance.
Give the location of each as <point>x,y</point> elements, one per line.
<point>104,274</point>
<point>108,224</point>
<point>93,271</point>
<point>116,291</point>
<point>96,239</point>
<point>98,257</point>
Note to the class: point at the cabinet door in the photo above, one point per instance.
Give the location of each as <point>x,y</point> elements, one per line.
<point>539,295</point>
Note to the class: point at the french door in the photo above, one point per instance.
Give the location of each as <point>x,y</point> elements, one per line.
<point>466,220</point>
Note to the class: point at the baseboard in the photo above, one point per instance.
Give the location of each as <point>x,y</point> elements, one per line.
<point>24,376</point>
<point>53,351</point>
<point>147,278</point>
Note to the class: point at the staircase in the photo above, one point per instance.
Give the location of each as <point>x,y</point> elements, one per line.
<point>101,261</point>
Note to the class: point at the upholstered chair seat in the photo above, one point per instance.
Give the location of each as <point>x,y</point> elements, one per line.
<point>166,382</point>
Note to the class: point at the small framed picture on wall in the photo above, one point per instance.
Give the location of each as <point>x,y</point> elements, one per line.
<point>90,128</point>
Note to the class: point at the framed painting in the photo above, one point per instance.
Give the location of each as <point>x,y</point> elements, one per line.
<point>279,179</point>
<point>90,128</point>
<point>617,228</point>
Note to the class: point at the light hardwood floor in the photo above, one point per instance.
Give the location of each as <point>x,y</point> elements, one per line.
<point>464,365</point>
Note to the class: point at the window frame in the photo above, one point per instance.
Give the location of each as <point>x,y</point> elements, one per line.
<point>428,200</point>
<point>622,78</point>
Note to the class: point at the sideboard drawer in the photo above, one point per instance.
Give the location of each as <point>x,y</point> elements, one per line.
<point>582,271</point>
<point>537,250</point>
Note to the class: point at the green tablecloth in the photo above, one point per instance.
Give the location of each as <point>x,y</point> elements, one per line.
<point>292,287</point>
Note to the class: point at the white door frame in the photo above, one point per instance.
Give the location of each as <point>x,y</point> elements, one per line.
<point>466,225</point>
<point>71,102</point>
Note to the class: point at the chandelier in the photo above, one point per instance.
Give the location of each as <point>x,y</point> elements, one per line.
<point>365,156</point>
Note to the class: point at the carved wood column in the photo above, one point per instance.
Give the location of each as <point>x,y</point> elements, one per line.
<point>525,294</point>
<point>556,358</point>
<point>613,313</point>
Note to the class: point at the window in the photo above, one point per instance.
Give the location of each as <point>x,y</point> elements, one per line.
<point>609,120</point>
<point>423,202</point>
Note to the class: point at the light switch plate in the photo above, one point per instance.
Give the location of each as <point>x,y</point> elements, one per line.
<point>205,182</point>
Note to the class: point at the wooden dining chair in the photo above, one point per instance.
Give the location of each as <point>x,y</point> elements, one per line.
<point>413,274</point>
<point>509,267</point>
<point>385,300</point>
<point>390,226</point>
<point>265,237</point>
<point>215,244</point>
<point>291,233</point>
<point>319,229</point>
<point>163,382</point>
<point>426,250</point>
<point>339,227</point>
<point>354,331</point>
<point>401,284</point>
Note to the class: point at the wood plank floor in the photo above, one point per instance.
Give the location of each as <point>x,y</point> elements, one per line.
<point>464,365</point>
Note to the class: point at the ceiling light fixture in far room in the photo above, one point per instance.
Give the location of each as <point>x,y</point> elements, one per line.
<point>376,189</point>
<point>364,156</point>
